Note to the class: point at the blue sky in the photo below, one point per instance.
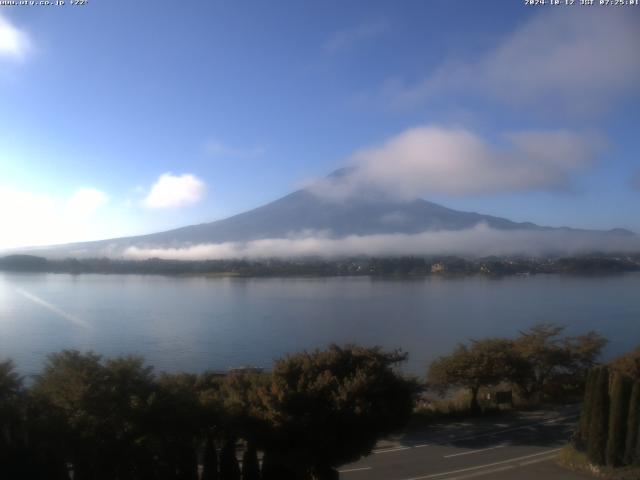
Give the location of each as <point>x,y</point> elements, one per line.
<point>121,118</point>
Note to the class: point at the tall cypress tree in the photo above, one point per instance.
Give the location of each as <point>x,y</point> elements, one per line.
<point>250,465</point>
<point>585,412</point>
<point>633,424</point>
<point>229,468</point>
<point>598,426</point>
<point>273,468</point>
<point>637,455</point>
<point>209,460</point>
<point>618,413</point>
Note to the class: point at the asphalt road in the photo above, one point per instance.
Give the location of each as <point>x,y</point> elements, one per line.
<point>519,446</point>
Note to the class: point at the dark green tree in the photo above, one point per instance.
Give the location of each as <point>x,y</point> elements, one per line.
<point>177,422</point>
<point>209,460</point>
<point>94,414</point>
<point>229,468</point>
<point>598,429</point>
<point>250,464</point>
<point>73,388</point>
<point>11,421</point>
<point>618,417</point>
<point>330,407</point>
<point>633,425</point>
<point>245,414</point>
<point>585,411</point>
<point>274,467</point>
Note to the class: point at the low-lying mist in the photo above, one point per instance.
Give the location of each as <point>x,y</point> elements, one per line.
<point>480,240</point>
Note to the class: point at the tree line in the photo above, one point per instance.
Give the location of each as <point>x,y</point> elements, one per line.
<point>117,419</point>
<point>321,266</point>
<point>85,417</point>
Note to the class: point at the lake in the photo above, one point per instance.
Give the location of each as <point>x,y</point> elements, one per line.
<point>199,323</point>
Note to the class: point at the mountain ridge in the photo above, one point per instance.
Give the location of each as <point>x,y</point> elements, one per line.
<point>305,213</point>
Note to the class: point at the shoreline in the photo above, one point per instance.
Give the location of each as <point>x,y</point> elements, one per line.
<point>316,267</point>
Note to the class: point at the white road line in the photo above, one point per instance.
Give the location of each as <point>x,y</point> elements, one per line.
<point>484,472</point>
<point>480,435</point>
<point>354,469</point>
<point>472,451</point>
<point>388,450</point>
<point>477,467</point>
<point>521,427</point>
<point>537,460</point>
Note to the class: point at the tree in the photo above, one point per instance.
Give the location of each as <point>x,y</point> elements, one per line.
<point>229,469</point>
<point>585,411</point>
<point>274,467</point>
<point>177,423</point>
<point>11,420</point>
<point>629,364</point>
<point>250,465</point>
<point>633,425</point>
<point>72,388</point>
<point>327,408</point>
<point>598,429</point>
<point>483,363</point>
<point>619,410</point>
<point>245,413</point>
<point>129,387</point>
<point>209,460</point>
<point>545,356</point>
<point>99,411</point>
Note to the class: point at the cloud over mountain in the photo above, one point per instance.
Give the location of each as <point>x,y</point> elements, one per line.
<point>455,161</point>
<point>480,240</point>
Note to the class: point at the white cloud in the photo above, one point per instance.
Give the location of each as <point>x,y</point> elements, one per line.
<point>455,161</point>
<point>32,218</point>
<point>216,148</point>
<point>14,42</point>
<point>578,60</point>
<point>479,240</point>
<point>85,201</point>
<point>26,217</point>
<point>346,38</point>
<point>173,191</point>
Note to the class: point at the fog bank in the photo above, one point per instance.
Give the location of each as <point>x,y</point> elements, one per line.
<point>477,241</point>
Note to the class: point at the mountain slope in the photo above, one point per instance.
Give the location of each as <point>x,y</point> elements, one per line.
<point>305,213</point>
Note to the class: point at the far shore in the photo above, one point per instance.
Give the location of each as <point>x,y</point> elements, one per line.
<point>316,267</point>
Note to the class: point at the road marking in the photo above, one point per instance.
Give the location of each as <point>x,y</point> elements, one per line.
<point>477,467</point>
<point>484,472</point>
<point>473,451</point>
<point>388,450</point>
<point>354,469</point>
<point>480,435</point>
<point>537,460</point>
<point>521,427</point>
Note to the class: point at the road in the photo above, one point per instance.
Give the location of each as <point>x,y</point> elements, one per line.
<point>519,446</point>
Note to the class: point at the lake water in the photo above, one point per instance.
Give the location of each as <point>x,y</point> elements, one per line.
<point>195,324</point>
